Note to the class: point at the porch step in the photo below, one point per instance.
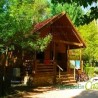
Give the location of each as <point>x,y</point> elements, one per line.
<point>66,79</point>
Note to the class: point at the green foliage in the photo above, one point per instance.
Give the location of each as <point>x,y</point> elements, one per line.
<point>87,65</point>
<point>89,71</point>
<point>41,43</point>
<point>93,10</point>
<point>73,10</point>
<point>82,2</point>
<point>17,18</point>
<point>90,35</point>
<point>96,70</point>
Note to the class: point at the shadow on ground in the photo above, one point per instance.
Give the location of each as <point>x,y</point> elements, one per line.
<point>88,94</point>
<point>21,91</point>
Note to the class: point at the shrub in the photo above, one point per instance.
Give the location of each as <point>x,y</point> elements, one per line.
<point>96,70</point>
<point>89,71</point>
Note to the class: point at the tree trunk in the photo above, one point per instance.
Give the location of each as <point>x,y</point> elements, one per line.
<point>5,75</point>
<point>1,81</point>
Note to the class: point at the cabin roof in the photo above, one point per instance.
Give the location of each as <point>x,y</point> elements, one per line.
<point>62,29</point>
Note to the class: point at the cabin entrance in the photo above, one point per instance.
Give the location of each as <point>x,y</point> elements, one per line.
<point>61,60</point>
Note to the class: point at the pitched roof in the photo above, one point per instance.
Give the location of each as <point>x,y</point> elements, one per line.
<point>62,26</point>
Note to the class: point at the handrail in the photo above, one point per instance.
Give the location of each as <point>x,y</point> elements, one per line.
<point>59,70</point>
<point>60,67</point>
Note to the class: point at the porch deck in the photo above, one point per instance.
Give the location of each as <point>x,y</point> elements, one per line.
<point>46,74</point>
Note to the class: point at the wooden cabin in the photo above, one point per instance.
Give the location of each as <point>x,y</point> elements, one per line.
<point>55,57</point>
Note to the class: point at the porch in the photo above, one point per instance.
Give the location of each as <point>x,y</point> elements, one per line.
<point>52,73</point>
<point>53,66</point>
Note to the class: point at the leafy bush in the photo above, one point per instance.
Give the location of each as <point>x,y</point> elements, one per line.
<point>96,70</point>
<point>89,71</point>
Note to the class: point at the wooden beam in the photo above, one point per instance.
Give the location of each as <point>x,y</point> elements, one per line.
<point>76,32</point>
<point>69,43</point>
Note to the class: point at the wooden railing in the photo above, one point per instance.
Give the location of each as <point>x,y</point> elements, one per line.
<point>45,69</point>
<point>60,69</point>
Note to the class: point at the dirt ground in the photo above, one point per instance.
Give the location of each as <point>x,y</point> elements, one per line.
<point>58,91</point>
<point>28,92</point>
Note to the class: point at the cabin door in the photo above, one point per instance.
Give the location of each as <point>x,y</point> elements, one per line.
<point>61,59</point>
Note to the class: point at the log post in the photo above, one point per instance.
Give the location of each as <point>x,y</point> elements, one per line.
<point>68,65</point>
<point>54,64</point>
<point>81,64</point>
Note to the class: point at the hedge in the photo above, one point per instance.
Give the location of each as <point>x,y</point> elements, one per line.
<point>89,71</point>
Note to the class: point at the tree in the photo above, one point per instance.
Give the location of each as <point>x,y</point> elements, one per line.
<point>16,22</point>
<point>90,34</point>
<point>93,10</point>
<point>73,10</point>
<point>17,18</point>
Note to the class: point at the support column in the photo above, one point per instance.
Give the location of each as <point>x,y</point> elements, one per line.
<point>54,77</point>
<point>68,65</point>
<point>34,64</point>
<point>81,63</point>
<point>53,51</point>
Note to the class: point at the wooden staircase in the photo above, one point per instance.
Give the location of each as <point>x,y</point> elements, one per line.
<point>66,79</point>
